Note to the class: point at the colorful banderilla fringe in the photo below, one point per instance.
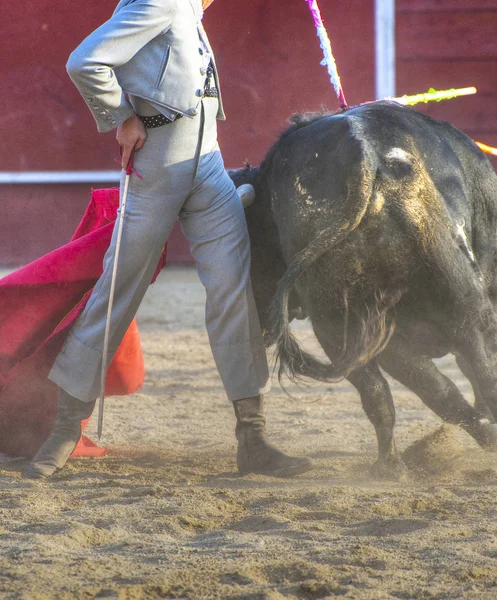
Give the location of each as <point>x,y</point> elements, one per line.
<point>437,96</point>
<point>433,95</point>
<point>328,60</point>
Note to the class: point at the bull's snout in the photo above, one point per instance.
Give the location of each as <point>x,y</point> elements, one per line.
<point>247,194</point>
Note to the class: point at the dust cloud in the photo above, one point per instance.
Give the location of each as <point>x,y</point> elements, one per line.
<point>166,516</point>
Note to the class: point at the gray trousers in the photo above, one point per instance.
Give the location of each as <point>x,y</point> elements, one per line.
<point>183,177</point>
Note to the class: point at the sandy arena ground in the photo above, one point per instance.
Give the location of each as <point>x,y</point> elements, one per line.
<point>165,515</point>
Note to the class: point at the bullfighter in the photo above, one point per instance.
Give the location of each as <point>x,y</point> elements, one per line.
<point>150,73</point>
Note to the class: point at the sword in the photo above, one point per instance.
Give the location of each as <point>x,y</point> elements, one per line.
<point>105,354</point>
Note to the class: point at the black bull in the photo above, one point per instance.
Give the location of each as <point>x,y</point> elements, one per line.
<point>380,225</point>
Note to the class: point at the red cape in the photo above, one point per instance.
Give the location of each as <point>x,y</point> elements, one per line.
<point>38,305</point>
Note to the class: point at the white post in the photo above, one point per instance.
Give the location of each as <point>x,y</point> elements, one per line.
<point>36,177</point>
<point>385,48</point>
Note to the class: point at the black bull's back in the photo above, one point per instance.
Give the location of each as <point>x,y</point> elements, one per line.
<point>380,223</point>
<point>390,207</point>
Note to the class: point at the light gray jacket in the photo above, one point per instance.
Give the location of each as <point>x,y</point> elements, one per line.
<point>149,49</point>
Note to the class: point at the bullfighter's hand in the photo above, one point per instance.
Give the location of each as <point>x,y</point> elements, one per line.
<point>130,134</point>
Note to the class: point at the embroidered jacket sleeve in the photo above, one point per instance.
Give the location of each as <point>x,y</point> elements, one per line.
<point>114,43</point>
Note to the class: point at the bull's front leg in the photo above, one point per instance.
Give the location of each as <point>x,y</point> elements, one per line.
<point>476,343</point>
<point>377,402</point>
<point>420,374</point>
<point>479,350</point>
<point>468,372</point>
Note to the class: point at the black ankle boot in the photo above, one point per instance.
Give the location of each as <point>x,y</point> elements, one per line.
<point>255,453</point>
<point>63,438</point>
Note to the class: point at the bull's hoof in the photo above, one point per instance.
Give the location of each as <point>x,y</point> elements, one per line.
<point>391,469</point>
<point>487,436</point>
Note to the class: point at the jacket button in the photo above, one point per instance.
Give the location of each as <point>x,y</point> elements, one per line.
<point>192,112</point>
<point>203,71</point>
<point>200,51</point>
<point>198,93</point>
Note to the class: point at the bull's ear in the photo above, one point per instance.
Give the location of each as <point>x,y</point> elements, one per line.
<point>247,194</point>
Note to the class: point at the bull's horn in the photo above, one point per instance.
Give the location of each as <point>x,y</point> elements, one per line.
<point>247,194</point>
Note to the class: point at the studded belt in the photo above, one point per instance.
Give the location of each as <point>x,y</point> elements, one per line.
<point>157,121</point>
<point>160,120</point>
<point>212,92</point>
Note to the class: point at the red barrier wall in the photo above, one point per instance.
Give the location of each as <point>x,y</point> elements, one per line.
<point>268,56</point>
<point>451,43</point>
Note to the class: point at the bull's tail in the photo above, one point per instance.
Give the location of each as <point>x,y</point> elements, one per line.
<point>371,330</point>
<point>365,336</point>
